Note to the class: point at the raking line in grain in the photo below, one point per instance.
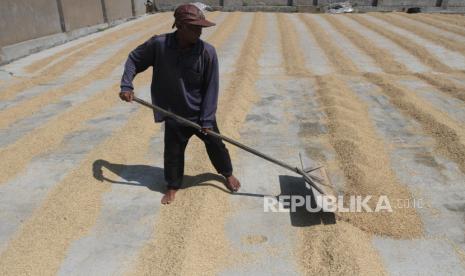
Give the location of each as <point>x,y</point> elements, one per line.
<point>415,49</point>
<point>51,73</point>
<point>435,23</point>
<point>423,32</point>
<point>73,205</point>
<point>312,258</point>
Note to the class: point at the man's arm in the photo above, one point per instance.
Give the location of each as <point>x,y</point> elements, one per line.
<point>138,61</point>
<point>211,87</point>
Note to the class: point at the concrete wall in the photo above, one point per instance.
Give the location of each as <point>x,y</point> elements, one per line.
<point>26,19</point>
<point>414,3</point>
<point>263,2</point>
<point>139,7</point>
<point>169,4</point>
<point>82,13</point>
<point>118,9</point>
<point>455,3</point>
<point>353,2</point>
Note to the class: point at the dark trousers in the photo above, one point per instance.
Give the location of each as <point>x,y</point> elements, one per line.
<point>176,138</point>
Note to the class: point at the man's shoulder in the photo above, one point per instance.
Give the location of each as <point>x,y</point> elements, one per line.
<point>158,38</point>
<point>209,49</point>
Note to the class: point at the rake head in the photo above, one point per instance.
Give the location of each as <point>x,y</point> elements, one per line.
<point>317,180</point>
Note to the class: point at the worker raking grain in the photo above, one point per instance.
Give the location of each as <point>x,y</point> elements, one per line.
<point>186,82</point>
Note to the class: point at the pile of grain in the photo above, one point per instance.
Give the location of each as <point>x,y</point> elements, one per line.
<point>339,249</point>
<point>363,158</point>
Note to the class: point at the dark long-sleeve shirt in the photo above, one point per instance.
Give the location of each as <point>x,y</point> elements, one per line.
<point>183,82</point>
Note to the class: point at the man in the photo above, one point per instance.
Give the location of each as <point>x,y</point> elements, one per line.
<point>185,81</point>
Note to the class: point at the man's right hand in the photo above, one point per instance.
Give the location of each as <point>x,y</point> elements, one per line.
<point>127,96</point>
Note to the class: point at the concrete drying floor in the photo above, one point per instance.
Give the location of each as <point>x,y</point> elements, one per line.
<point>378,98</point>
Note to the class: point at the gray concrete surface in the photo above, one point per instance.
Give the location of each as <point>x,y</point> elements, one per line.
<point>423,257</point>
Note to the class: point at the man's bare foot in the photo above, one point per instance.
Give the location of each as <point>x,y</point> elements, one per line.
<point>169,196</point>
<point>232,183</point>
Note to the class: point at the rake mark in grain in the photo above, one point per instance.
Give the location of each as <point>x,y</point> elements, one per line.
<point>448,140</point>
<point>293,51</point>
<point>458,20</point>
<point>383,58</point>
<point>435,23</point>
<point>48,136</point>
<point>57,69</point>
<point>359,150</point>
<point>443,84</point>
<point>334,53</point>
<point>401,22</point>
<point>35,66</point>
<point>387,62</point>
<point>72,207</point>
<point>314,254</point>
<point>103,70</point>
<point>415,49</point>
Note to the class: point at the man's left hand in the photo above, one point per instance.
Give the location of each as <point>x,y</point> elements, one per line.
<point>204,130</point>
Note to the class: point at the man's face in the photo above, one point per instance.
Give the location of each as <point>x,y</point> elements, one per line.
<point>190,33</point>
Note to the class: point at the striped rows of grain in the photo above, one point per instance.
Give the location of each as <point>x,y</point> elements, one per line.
<point>189,235</point>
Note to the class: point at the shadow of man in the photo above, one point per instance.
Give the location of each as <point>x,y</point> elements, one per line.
<point>150,177</point>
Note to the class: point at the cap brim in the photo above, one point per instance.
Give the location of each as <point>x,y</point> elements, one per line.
<point>202,22</point>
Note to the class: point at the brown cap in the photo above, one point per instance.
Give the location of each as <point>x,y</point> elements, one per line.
<point>190,14</point>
